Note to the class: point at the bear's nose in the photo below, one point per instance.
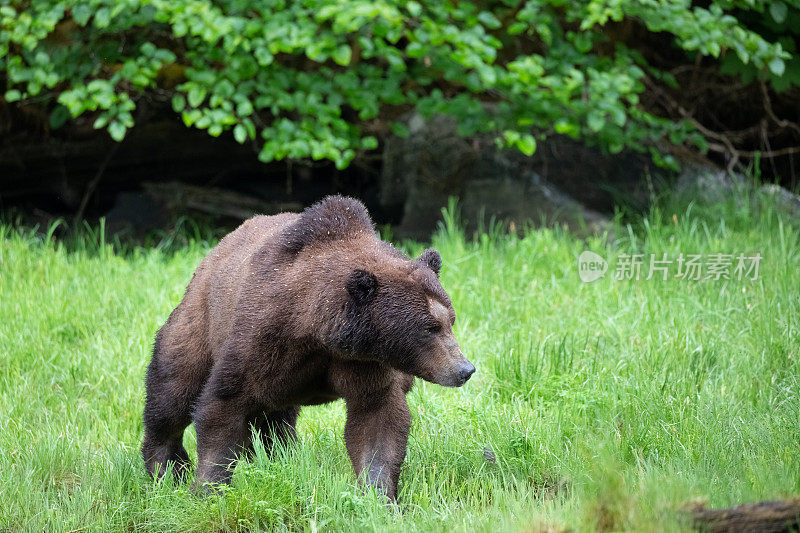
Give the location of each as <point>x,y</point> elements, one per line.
<point>466,371</point>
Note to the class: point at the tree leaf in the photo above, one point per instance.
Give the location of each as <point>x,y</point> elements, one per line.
<point>527,144</point>
<point>58,117</point>
<point>196,96</point>
<point>414,8</point>
<point>117,130</point>
<point>777,66</point>
<point>778,10</point>
<point>178,102</point>
<point>369,143</point>
<point>342,55</point>
<point>81,14</point>
<point>101,19</point>
<point>239,134</point>
<point>489,20</point>
<point>400,129</point>
<point>595,121</point>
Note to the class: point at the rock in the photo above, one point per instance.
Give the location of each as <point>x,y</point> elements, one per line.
<point>528,198</point>
<point>786,202</point>
<point>488,455</point>
<point>708,184</point>
<point>420,172</point>
<point>564,183</point>
<point>136,213</point>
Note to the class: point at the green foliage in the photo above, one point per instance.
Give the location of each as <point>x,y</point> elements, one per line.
<point>612,400</point>
<point>312,78</point>
<point>778,22</point>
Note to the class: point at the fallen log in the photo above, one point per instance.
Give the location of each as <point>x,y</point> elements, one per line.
<point>182,198</point>
<point>764,517</point>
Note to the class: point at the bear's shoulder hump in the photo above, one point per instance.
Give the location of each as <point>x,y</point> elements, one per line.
<point>332,218</point>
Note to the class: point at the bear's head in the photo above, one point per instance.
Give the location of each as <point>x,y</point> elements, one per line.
<point>405,319</point>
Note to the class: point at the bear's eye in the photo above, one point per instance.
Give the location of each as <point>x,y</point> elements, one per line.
<point>433,328</point>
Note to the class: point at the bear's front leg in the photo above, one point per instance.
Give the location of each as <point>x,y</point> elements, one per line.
<point>376,435</point>
<point>222,431</point>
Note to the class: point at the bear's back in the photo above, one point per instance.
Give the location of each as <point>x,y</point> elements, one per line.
<point>227,268</point>
<point>207,309</point>
<point>238,272</point>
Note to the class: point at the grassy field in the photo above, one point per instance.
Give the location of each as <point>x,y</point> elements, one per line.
<point>605,405</point>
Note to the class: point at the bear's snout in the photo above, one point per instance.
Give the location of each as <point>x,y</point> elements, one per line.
<point>460,374</point>
<point>466,371</point>
<point>457,375</point>
<point>457,372</point>
<point>447,365</point>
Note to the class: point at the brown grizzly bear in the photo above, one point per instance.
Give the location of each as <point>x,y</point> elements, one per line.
<point>299,309</point>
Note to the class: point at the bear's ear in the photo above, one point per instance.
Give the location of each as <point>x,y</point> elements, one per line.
<point>361,285</point>
<point>431,259</point>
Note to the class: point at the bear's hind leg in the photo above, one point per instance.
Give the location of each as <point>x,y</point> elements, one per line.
<point>163,436</point>
<point>275,428</point>
<point>222,435</point>
<point>163,450</point>
<point>167,413</point>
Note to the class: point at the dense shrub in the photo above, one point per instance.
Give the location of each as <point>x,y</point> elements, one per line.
<point>323,79</point>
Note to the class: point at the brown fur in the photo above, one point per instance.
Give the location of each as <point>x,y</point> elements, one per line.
<point>292,310</point>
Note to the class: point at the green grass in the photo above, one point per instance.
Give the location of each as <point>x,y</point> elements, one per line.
<point>608,406</point>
